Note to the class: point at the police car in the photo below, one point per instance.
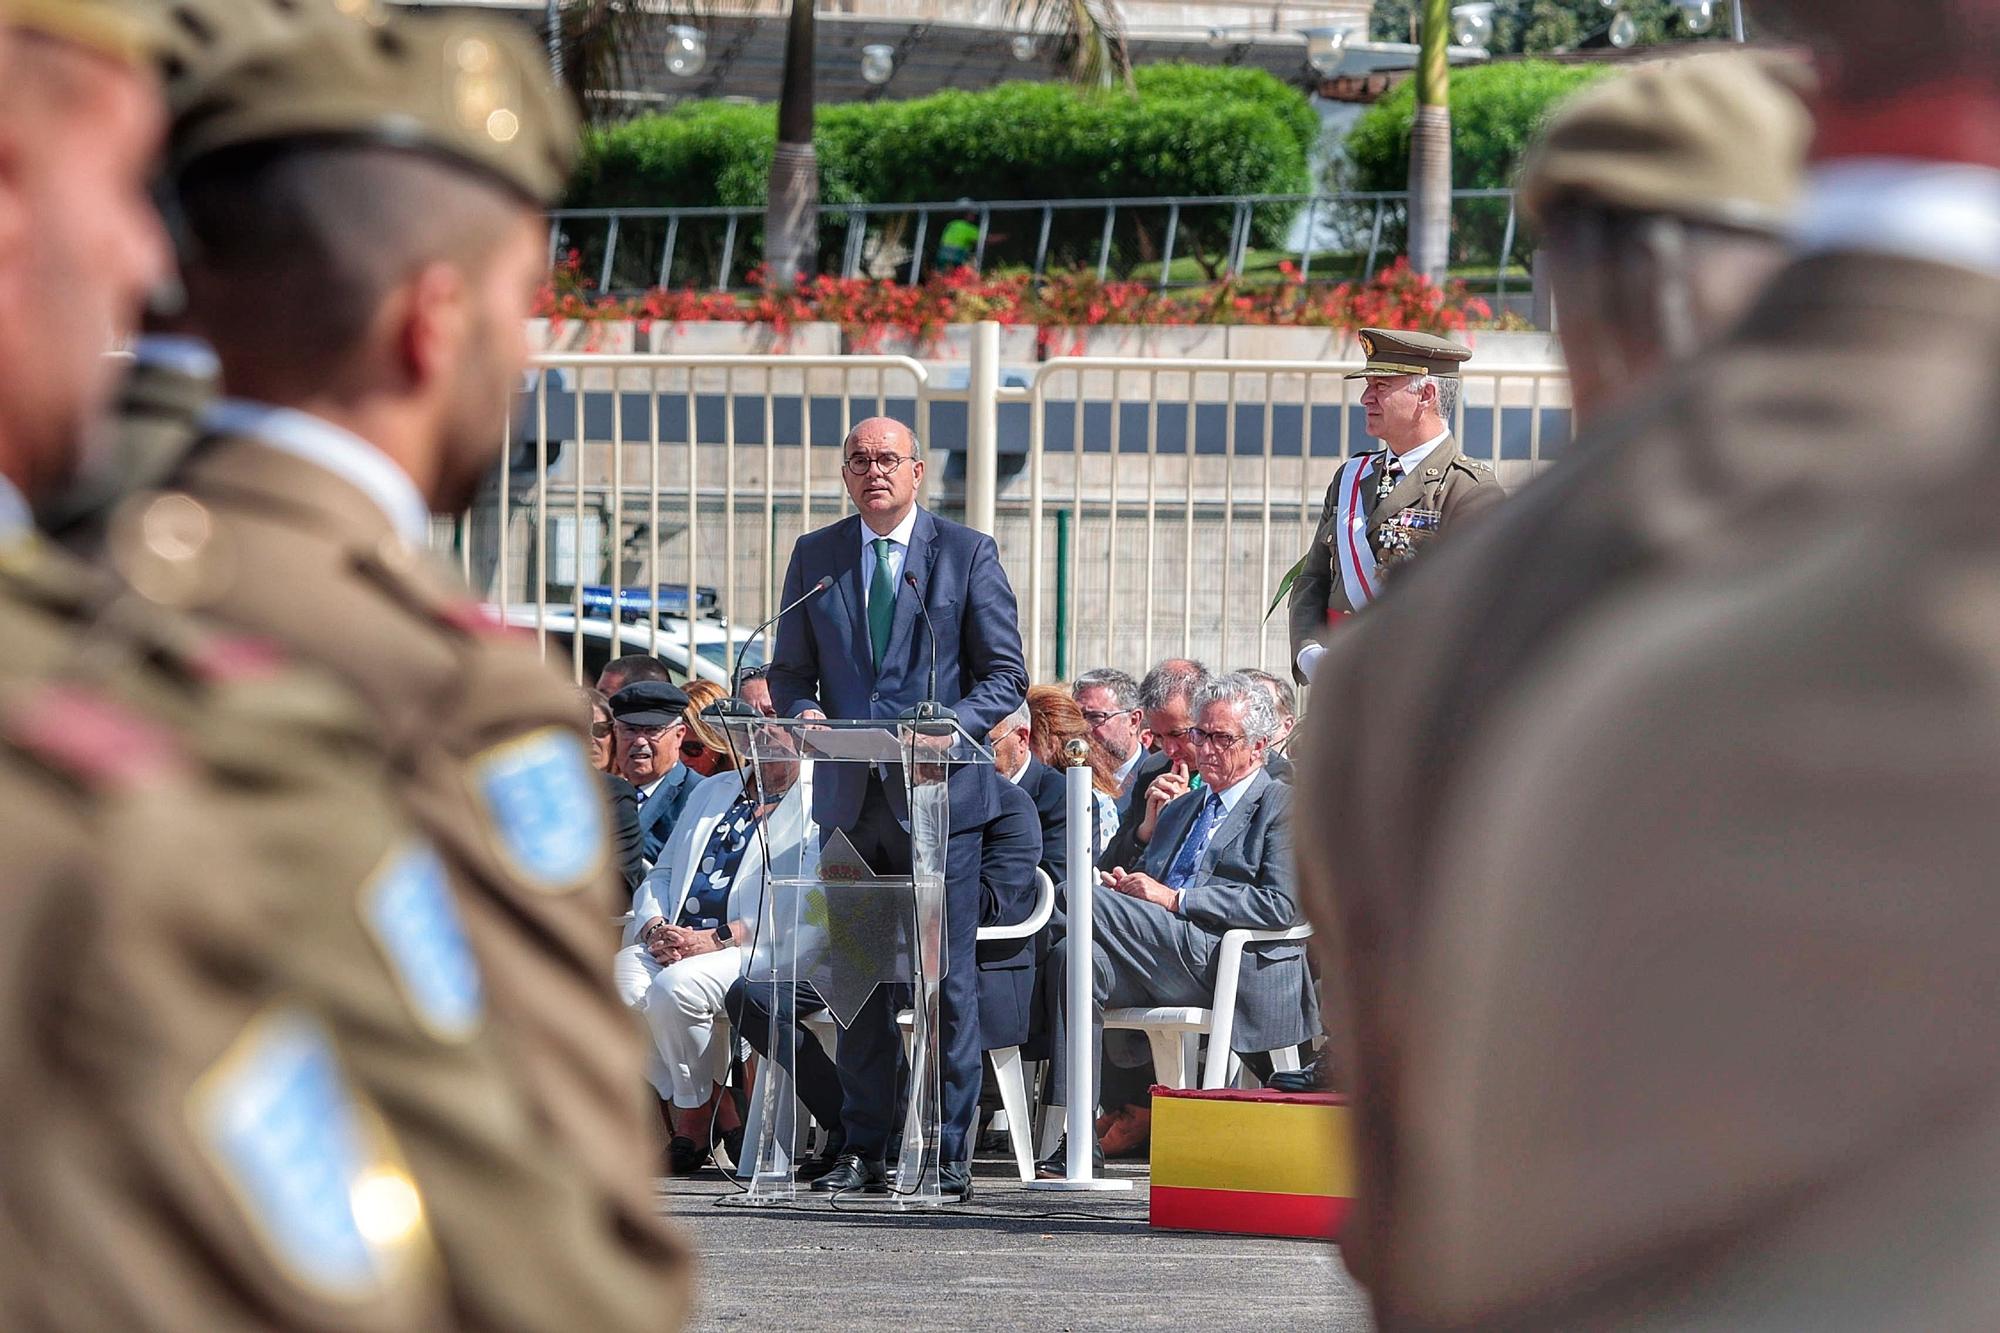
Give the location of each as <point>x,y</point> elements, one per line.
<point>657,622</point>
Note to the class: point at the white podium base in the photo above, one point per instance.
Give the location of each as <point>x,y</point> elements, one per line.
<point>1095,1185</point>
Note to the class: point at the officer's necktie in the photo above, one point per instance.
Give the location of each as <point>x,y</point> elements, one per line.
<point>881,600</point>
<point>1181,873</point>
<point>1392,472</point>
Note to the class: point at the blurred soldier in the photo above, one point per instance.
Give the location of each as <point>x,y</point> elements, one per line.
<point>193,842</point>
<point>1386,506</point>
<point>1663,193</point>
<point>387,178</point>
<point>1773,427</point>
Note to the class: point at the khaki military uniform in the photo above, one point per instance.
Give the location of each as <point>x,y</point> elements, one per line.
<point>1709,1037</point>
<point>157,416</point>
<point>191,841</point>
<point>489,761</point>
<point>1724,456</point>
<point>1443,492</point>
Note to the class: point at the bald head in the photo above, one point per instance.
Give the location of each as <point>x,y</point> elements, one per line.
<point>883,470</point>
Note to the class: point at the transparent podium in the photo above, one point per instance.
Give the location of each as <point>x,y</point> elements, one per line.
<point>830,925</point>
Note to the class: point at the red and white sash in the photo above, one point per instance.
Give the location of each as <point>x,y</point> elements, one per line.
<point>1351,552</point>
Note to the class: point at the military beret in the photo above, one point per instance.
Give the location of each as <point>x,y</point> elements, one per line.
<point>473,92</point>
<point>203,38</point>
<point>650,703</point>
<point>115,28</point>
<point>1719,138</point>
<point>1399,352</point>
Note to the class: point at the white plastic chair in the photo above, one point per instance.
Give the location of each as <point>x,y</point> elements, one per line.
<point>1175,1032</point>
<point>1007,1068</point>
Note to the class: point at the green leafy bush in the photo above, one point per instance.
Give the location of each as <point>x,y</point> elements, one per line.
<point>1187,130</point>
<point>1496,110</point>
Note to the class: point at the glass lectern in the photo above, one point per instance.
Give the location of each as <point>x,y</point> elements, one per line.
<point>829,921</point>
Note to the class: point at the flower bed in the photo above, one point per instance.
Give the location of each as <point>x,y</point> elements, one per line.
<point>872,313</point>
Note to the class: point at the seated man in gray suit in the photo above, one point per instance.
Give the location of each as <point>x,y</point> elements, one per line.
<point>1220,859</point>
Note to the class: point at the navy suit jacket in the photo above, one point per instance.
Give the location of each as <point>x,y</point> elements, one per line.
<point>1047,789</point>
<point>1009,850</point>
<point>658,812</point>
<point>822,658</point>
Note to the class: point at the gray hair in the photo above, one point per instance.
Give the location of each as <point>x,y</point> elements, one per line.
<point>1260,714</point>
<point>1016,720</point>
<point>1282,695</point>
<point>1447,394</point>
<point>1175,678</point>
<point>1124,690</point>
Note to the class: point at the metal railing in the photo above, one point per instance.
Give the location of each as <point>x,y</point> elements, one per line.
<point>1144,506</point>
<point>626,250</point>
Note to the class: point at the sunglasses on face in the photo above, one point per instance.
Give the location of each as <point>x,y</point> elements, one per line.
<point>693,749</point>
<point>600,731</point>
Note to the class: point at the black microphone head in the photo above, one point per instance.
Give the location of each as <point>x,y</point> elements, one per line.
<point>825,582</point>
<point>909,578</point>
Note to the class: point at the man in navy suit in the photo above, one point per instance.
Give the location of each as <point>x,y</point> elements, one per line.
<point>860,650</point>
<point>648,721</point>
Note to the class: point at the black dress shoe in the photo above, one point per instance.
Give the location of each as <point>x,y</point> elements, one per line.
<point>955,1182</point>
<point>1315,1077</point>
<point>812,1168</point>
<point>852,1173</point>
<point>1056,1165</point>
<point>685,1156</point>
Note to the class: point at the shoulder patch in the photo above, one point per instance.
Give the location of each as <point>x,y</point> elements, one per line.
<point>546,805</point>
<point>90,738</point>
<point>312,1171</point>
<point>408,908</point>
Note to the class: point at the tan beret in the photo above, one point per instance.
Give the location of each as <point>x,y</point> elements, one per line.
<point>470,91</point>
<point>202,38</point>
<point>1718,138</point>
<point>1401,352</point>
<point>118,29</point>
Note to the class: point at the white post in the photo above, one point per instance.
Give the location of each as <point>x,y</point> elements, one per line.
<point>1077,998</point>
<point>982,427</point>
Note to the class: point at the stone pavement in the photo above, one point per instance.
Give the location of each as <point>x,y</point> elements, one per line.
<point>1006,1261</point>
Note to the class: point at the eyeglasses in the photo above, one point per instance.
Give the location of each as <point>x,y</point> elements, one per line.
<point>1173,735</point>
<point>1097,718</point>
<point>600,730</point>
<point>861,465</point>
<point>1219,740</point>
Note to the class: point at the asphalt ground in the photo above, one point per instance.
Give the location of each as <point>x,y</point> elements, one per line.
<point>1010,1259</point>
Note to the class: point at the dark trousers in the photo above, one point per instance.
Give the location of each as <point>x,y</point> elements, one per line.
<point>749,1004</point>
<point>871,1047</point>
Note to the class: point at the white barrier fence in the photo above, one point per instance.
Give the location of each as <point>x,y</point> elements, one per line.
<point>1143,507</point>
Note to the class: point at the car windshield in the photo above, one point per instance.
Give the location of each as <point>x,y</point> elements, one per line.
<point>719,652</point>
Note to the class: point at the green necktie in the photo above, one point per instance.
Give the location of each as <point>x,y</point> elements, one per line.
<point>881,600</point>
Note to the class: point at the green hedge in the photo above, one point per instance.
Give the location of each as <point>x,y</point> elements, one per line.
<point>1188,130</point>
<point>1496,110</point>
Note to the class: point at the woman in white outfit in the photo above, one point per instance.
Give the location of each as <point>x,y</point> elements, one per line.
<point>683,947</point>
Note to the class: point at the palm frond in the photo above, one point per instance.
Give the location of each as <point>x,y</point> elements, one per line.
<point>1089,36</point>
<point>603,42</point>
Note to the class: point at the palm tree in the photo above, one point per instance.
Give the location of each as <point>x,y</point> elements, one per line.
<point>1430,147</point>
<point>599,36</point>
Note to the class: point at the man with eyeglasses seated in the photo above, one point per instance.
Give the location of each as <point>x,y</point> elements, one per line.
<point>1219,859</point>
<point>649,720</point>
<point>753,687</point>
<point>1166,702</point>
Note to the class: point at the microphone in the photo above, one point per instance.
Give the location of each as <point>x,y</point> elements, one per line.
<point>932,717</point>
<point>736,672</point>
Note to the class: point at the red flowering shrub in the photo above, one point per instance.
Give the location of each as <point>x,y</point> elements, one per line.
<point>873,312</point>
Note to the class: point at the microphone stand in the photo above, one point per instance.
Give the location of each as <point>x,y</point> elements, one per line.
<point>929,718</point>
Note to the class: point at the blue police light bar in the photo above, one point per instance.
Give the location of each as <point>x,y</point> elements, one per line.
<point>636,604</point>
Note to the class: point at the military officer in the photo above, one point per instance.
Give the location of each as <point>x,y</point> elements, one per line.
<point>401,207</point>
<point>191,839</point>
<point>1387,505</point>
<point>1780,419</point>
